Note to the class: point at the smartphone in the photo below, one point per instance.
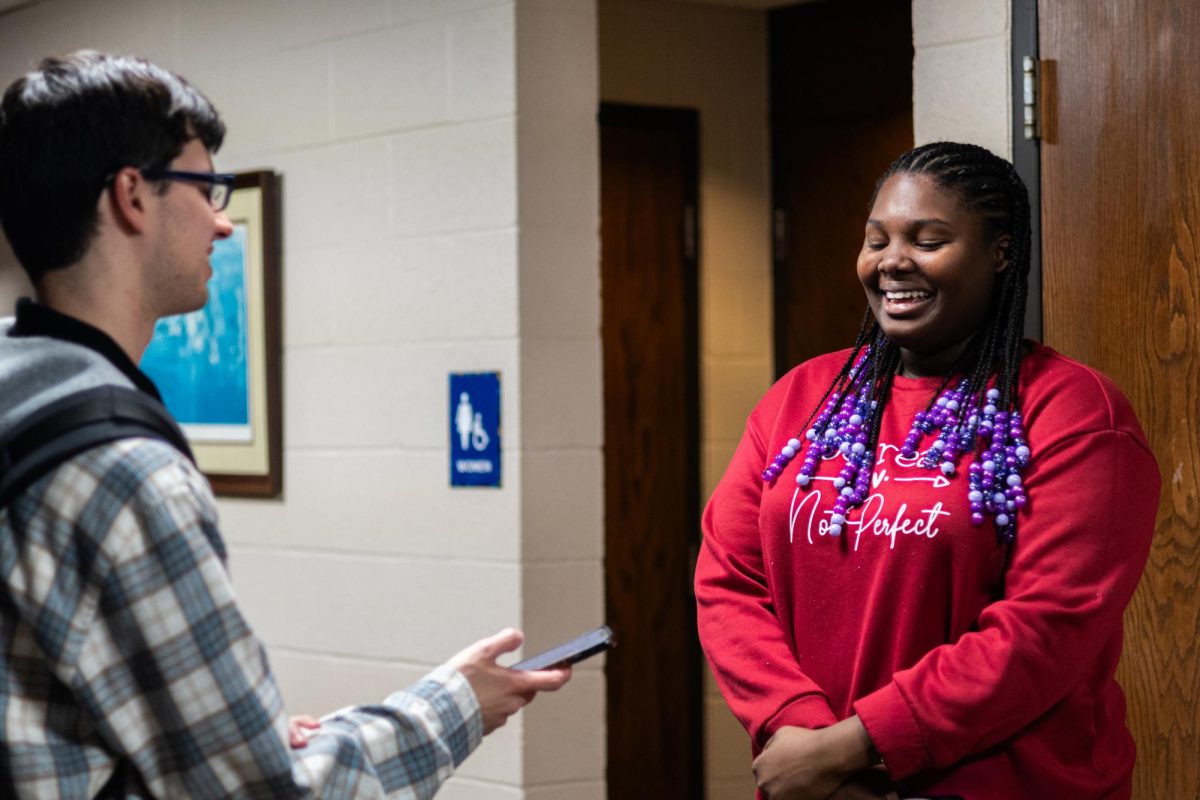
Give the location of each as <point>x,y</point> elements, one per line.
<point>577,649</point>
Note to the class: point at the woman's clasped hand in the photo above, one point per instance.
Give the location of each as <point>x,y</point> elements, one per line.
<point>834,762</point>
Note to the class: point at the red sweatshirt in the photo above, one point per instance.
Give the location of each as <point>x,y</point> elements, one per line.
<point>977,671</point>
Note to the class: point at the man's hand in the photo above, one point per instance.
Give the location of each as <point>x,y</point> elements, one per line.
<point>501,691</point>
<point>802,764</point>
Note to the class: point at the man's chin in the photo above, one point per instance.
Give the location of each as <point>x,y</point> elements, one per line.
<point>203,302</point>
<point>194,304</point>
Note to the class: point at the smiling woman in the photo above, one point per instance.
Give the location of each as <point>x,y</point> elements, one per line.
<point>929,271</point>
<point>967,629</point>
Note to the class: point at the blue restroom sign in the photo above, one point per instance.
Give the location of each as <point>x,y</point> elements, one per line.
<point>475,429</point>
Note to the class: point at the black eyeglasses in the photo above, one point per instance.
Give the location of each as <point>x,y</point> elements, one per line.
<point>220,184</point>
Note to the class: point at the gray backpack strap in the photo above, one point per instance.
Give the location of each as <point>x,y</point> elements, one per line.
<point>76,423</point>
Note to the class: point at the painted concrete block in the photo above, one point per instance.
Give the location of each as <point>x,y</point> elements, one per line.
<point>392,291</point>
<point>584,790</point>
<point>442,288</point>
<point>498,759</point>
<point>482,63</point>
<point>405,12</point>
<point>335,194</point>
<point>308,291</point>
<point>245,29</point>
<point>320,684</point>
<point>560,601</point>
<point>41,29</point>
<point>946,21</point>
<point>463,788</point>
<point>961,93</point>
<point>482,286</point>
<point>383,502</point>
<point>274,101</point>
<point>387,396</point>
<point>562,505</point>
<point>391,79</point>
<point>560,280</point>
<point>551,78</point>
<point>420,611</point>
<point>557,96</point>
<point>454,178</point>
<point>552,418</point>
<point>565,732</point>
<point>559,170</point>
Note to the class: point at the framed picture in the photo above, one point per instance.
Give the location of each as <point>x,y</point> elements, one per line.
<point>218,368</point>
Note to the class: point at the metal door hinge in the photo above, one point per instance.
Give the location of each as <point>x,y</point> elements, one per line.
<point>1029,72</point>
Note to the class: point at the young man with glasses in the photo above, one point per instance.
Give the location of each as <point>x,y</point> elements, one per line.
<point>126,667</point>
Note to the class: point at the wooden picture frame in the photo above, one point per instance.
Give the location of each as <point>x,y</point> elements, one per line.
<point>219,368</point>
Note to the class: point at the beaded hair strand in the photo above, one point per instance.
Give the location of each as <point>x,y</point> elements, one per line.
<point>980,412</point>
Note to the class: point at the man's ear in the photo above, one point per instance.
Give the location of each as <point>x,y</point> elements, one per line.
<point>129,193</point>
<point>1000,252</point>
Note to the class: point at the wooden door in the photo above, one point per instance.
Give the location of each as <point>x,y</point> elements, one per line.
<point>648,161</point>
<point>841,111</point>
<point>1121,282</point>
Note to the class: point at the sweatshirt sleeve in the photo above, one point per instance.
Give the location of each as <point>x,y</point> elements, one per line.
<point>739,631</point>
<point>1079,554</point>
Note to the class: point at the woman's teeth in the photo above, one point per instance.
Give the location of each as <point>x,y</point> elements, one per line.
<point>909,295</point>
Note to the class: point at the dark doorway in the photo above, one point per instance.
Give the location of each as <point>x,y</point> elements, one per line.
<point>648,188</point>
<point>1120,169</point>
<point>841,111</point>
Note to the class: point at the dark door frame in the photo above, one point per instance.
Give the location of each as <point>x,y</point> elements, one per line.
<point>685,121</point>
<point>1026,153</point>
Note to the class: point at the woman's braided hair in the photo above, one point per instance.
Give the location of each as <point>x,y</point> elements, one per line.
<point>989,186</point>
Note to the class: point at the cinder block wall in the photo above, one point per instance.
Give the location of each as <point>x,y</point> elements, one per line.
<point>440,213</point>
<point>961,84</point>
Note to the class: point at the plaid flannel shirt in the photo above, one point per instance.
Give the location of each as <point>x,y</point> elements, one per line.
<point>129,671</point>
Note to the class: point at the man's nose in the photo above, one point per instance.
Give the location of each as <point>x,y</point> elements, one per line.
<point>223,226</point>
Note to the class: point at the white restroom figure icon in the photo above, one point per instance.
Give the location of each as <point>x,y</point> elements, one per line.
<point>469,424</point>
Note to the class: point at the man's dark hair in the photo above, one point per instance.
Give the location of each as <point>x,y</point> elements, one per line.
<point>67,127</point>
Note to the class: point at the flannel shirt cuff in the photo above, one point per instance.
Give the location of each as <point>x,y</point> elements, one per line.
<point>457,710</point>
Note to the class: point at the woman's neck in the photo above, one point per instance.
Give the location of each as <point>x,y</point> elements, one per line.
<point>931,365</point>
